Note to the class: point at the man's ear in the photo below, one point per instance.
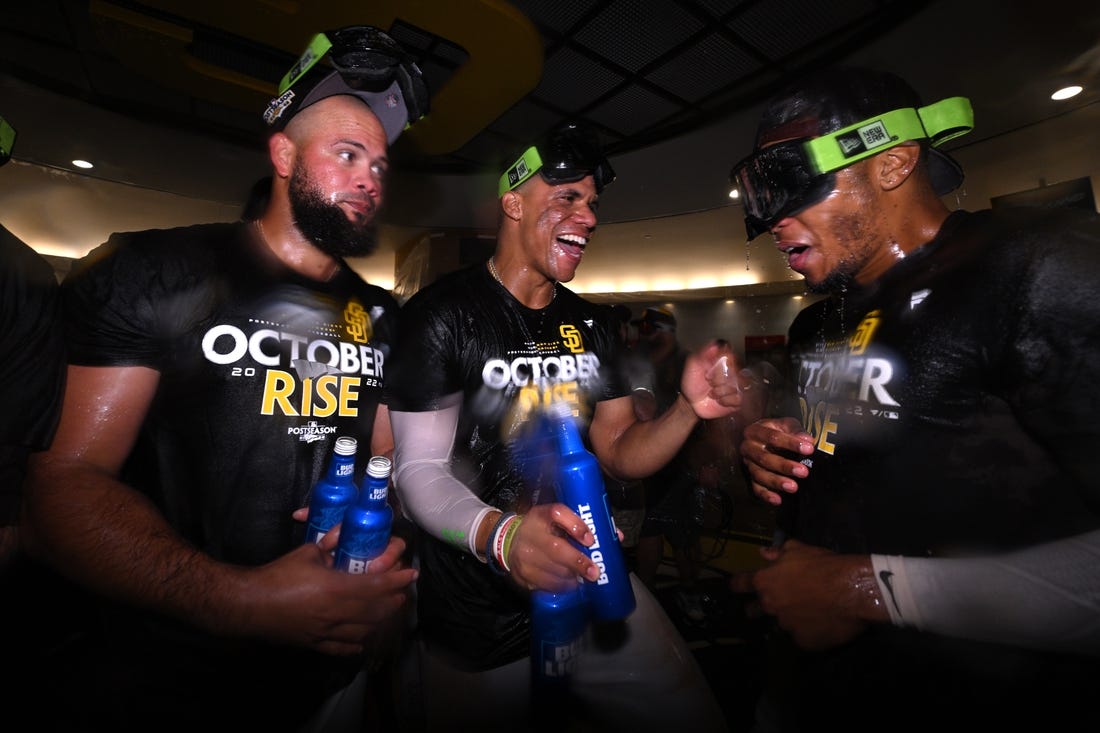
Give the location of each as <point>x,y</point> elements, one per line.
<point>895,165</point>
<point>511,203</point>
<point>281,150</point>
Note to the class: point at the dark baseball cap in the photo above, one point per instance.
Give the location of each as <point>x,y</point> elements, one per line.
<point>570,151</point>
<point>621,313</point>
<point>834,98</point>
<point>656,318</point>
<point>368,64</point>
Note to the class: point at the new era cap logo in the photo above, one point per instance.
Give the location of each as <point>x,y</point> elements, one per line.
<point>874,134</point>
<point>868,137</point>
<point>519,172</point>
<point>850,144</point>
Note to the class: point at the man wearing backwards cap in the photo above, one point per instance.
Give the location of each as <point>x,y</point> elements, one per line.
<point>940,495</point>
<point>480,351</point>
<point>211,369</point>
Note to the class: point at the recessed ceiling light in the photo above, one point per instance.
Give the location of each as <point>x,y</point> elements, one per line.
<point>1066,92</point>
<point>82,164</point>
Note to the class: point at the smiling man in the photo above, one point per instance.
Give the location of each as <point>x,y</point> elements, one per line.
<point>482,350</point>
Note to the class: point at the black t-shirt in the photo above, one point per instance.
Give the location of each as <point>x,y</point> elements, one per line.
<point>466,334</point>
<point>32,364</point>
<point>955,405</point>
<point>261,370</point>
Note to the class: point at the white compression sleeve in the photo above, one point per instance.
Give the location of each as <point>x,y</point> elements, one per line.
<point>1043,597</point>
<point>437,501</point>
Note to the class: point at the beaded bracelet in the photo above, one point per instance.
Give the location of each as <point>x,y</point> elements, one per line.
<point>498,541</point>
<point>490,544</point>
<point>506,545</point>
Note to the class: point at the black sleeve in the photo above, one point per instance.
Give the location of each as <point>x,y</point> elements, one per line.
<point>32,364</point>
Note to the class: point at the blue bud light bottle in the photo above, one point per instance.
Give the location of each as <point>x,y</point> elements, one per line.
<point>368,521</point>
<point>333,492</point>
<point>580,487</point>
<point>558,623</point>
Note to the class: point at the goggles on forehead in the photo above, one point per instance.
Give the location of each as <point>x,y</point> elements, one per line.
<point>367,59</point>
<point>570,153</point>
<point>785,178</point>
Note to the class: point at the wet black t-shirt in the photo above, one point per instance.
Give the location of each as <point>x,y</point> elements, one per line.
<point>955,405</point>
<point>466,334</point>
<point>261,370</point>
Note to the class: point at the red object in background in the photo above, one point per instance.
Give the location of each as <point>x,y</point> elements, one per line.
<point>764,343</point>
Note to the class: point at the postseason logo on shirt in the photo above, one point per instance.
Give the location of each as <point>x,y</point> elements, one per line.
<point>307,369</point>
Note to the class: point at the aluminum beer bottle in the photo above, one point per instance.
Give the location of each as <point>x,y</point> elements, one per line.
<point>579,485</point>
<point>367,521</point>
<point>558,623</point>
<point>333,492</point>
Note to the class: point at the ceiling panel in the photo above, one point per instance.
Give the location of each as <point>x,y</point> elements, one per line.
<point>673,85</point>
<point>644,70</point>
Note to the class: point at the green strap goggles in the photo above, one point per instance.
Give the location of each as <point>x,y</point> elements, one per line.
<point>938,123</point>
<point>782,179</point>
<point>7,140</point>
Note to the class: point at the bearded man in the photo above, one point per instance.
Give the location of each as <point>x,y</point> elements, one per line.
<point>211,370</point>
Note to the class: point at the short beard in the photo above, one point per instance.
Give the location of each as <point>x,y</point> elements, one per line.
<point>837,281</point>
<point>860,234</point>
<point>325,224</point>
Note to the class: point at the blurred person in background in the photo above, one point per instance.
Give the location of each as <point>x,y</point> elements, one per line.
<point>673,506</point>
<point>627,497</point>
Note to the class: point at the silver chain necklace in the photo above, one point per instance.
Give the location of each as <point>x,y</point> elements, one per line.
<point>522,313</point>
<point>496,276</point>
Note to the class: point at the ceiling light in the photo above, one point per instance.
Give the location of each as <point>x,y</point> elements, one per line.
<point>734,194</point>
<point>82,164</point>
<point>1066,92</point>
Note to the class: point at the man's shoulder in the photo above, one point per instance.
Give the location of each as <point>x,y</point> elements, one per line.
<point>580,308</point>
<point>157,256</point>
<point>456,286</point>
<point>578,301</point>
<point>19,262</point>
<point>1025,223</point>
<point>191,244</point>
<point>192,234</point>
<point>366,290</point>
